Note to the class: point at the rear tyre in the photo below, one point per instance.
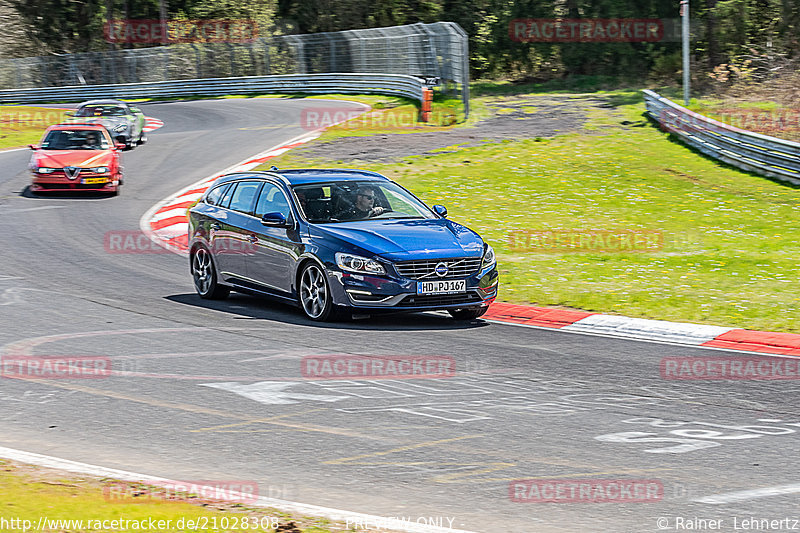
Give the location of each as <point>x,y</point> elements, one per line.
<point>315,294</point>
<point>205,277</point>
<point>470,313</point>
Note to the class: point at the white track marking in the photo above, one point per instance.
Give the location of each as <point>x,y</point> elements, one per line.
<point>638,339</point>
<point>744,495</point>
<point>40,208</point>
<point>281,505</point>
<point>180,211</point>
<point>272,392</point>
<point>638,328</point>
<point>11,296</point>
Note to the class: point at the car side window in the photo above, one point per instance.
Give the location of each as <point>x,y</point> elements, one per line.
<point>244,196</point>
<point>215,195</point>
<point>226,197</point>
<point>272,200</point>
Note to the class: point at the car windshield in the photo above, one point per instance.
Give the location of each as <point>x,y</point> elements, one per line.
<point>101,111</point>
<point>75,140</point>
<point>341,201</point>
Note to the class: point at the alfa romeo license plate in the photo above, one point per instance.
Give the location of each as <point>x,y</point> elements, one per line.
<point>87,181</point>
<point>442,286</point>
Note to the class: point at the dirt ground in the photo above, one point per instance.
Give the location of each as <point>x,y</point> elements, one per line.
<point>513,118</point>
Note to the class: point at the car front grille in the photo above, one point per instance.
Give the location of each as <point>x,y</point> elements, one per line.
<point>460,267</point>
<point>415,300</point>
<point>71,186</point>
<point>55,185</point>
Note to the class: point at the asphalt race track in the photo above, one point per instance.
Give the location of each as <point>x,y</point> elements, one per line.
<point>214,391</point>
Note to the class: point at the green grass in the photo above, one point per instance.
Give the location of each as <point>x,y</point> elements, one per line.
<point>730,247</point>
<point>32,494</point>
<point>22,125</point>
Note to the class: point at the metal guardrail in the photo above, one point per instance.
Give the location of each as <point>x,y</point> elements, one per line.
<point>436,50</point>
<point>391,84</point>
<point>753,152</point>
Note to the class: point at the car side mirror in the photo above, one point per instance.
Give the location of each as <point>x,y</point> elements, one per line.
<point>119,146</point>
<point>277,220</point>
<point>440,210</point>
<point>33,147</point>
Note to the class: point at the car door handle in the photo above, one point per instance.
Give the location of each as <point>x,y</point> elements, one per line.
<point>215,227</point>
<point>252,238</point>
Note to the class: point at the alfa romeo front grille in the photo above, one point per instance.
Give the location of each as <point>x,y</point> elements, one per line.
<point>425,269</point>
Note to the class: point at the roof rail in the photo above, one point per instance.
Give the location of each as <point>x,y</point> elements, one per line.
<point>255,172</point>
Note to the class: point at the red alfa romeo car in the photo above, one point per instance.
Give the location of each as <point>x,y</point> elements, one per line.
<point>76,157</point>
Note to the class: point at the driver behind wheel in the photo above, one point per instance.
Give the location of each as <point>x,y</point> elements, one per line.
<point>364,205</point>
<point>92,141</point>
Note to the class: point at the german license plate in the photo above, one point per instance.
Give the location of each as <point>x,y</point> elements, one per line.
<point>442,286</point>
<point>87,181</point>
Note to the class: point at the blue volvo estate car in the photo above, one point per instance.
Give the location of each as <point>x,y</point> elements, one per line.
<point>336,242</point>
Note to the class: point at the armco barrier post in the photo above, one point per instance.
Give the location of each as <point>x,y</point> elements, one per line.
<point>427,102</point>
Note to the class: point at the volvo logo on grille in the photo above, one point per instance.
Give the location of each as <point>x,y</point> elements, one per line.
<point>441,269</point>
<point>72,172</point>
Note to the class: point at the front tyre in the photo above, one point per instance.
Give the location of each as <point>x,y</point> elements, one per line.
<point>205,277</point>
<point>469,313</point>
<point>314,294</point>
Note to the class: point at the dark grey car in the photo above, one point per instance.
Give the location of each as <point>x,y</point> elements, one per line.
<point>124,121</point>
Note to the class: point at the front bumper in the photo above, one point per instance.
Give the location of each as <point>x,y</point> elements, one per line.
<point>59,182</point>
<point>373,293</point>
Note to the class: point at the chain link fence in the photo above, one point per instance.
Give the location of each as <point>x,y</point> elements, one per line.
<point>424,50</point>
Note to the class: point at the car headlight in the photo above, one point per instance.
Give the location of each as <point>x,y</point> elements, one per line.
<point>99,170</point>
<point>45,170</point>
<point>356,263</point>
<point>488,256</point>
<point>120,128</point>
